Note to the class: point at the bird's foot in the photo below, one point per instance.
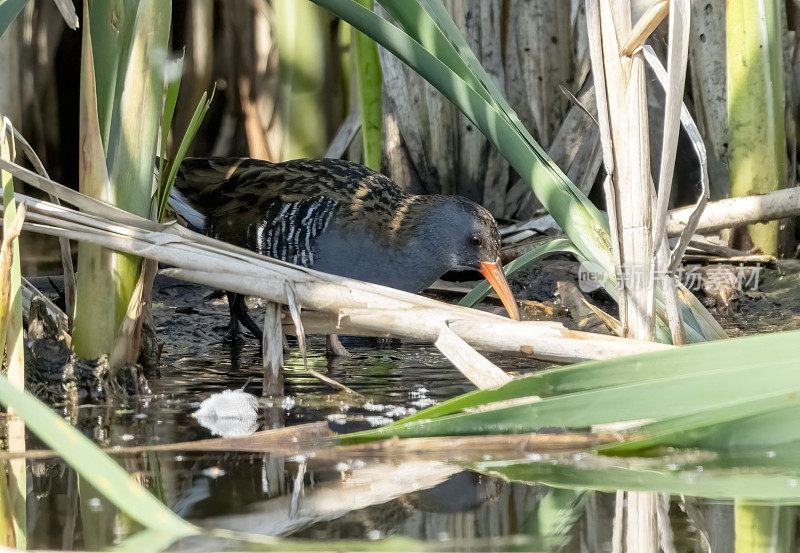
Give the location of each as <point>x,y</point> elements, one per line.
<point>334,348</point>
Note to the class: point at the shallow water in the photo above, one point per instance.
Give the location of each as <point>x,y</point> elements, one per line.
<point>491,504</point>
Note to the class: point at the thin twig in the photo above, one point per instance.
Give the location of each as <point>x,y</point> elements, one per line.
<point>344,136</point>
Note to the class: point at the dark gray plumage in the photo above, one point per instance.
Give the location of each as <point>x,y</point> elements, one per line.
<point>335,216</point>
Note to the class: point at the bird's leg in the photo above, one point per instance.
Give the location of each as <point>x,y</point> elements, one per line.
<point>334,348</point>
<point>234,334</point>
<point>240,310</point>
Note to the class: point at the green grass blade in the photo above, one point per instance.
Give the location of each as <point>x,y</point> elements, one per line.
<point>93,465</point>
<point>9,10</point>
<point>704,382</point>
<point>183,148</point>
<point>555,246</point>
<point>593,375</point>
<point>765,429</point>
<point>669,397</point>
<point>170,101</point>
<point>716,428</point>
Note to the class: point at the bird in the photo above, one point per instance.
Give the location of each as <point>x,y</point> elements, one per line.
<point>338,217</point>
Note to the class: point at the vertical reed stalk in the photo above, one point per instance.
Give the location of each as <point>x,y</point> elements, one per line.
<point>302,38</point>
<point>369,83</point>
<point>93,328</point>
<point>6,514</point>
<point>122,80</point>
<point>763,528</point>
<point>626,129</point>
<point>678,54</point>
<point>199,63</point>
<point>756,101</point>
<point>15,353</point>
<point>622,107</point>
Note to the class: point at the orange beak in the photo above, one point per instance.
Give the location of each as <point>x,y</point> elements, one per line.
<point>493,272</point>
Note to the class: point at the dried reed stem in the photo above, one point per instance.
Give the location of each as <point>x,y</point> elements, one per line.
<point>12,338</point>
<point>350,305</point>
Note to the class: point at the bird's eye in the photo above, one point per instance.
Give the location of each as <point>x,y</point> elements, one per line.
<point>476,240</point>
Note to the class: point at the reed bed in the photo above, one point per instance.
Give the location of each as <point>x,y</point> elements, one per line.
<point>648,407</point>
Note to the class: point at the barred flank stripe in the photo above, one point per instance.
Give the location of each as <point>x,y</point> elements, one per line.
<point>288,230</point>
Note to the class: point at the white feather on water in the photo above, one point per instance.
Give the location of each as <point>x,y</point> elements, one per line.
<point>230,414</point>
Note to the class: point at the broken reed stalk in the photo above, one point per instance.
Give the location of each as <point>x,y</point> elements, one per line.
<point>318,442</point>
<point>642,244</point>
<point>479,370</point>
<point>344,136</point>
<point>348,306</point>
<point>648,22</point>
<point>12,339</point>
<point>725,214</point>
<point>272,350</point>
<point>623,118</point>
<point>627,94</point>
<point>733,212</point>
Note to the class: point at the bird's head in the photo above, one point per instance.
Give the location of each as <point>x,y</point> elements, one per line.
<point>466,235</point>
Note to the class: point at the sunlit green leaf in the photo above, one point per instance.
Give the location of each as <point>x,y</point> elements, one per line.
<point>672,392</point>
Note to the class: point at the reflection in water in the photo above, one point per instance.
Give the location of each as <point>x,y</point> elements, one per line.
<point>262,492</point>
<point>490,504</point>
